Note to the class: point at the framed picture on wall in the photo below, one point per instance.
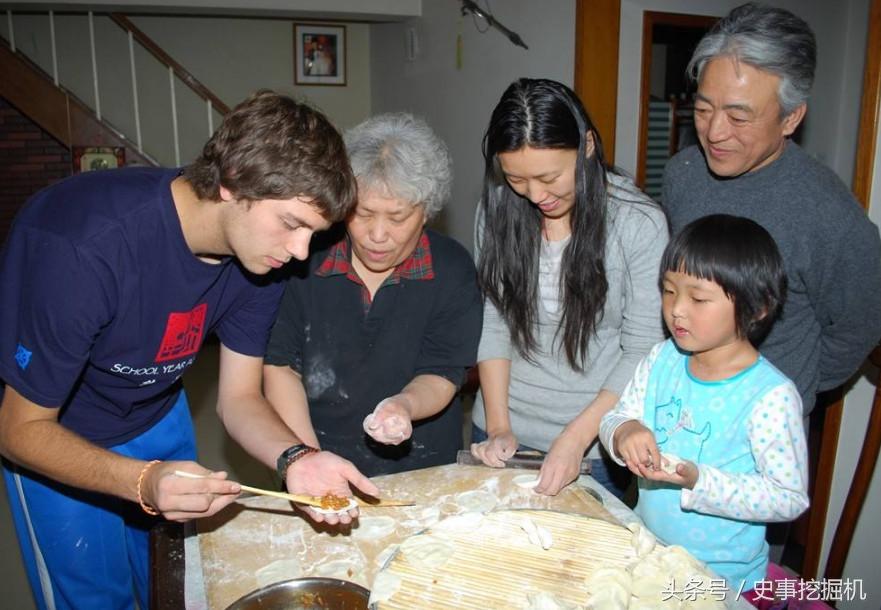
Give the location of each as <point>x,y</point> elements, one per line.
<point>91,158</point>
<point>319,54</point>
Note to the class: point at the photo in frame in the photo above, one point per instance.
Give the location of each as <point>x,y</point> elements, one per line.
<point>91,158</point>
<point>319,54</point>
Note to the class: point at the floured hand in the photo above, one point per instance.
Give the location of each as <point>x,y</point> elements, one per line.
<point>390,422</point>
<point>561,465</point>
<point>495,450</point>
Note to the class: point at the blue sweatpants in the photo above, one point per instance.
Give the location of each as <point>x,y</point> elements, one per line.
<point>84,550</point>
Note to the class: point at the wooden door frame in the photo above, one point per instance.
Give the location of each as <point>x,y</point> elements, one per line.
<point>862,189</point>
<point>869,110</point>
<point>597,34</point>
<point>649,20</point>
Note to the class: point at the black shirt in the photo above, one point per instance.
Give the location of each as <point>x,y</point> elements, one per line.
<point>351,353</point>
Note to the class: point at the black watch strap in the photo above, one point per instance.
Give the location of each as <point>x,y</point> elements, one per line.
<point>289,456</point>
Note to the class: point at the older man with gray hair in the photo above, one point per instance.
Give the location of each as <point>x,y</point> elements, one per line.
<point>754,72</point>
<point>376,331</point>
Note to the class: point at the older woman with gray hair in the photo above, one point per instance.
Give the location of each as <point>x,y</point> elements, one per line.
<point>375,333</point>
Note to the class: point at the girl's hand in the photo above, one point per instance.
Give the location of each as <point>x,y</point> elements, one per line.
<point>495,450</point>
<point>686,475</point>
<point>635,445</point>
<point>561,466</point>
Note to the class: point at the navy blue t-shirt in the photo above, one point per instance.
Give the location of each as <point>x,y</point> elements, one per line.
<point>103,306</point>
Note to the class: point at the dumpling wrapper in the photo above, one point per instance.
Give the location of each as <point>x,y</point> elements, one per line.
<point>277,571</point>
<point>643,540</point>
<point>350,568</point>
<point>525,481</point>
<point>547,601</point>
<point>650,580</point>
<point>386,554</point>
<point>427,551</point>
<point>459,524</point>
<point>476,500</point>
<point>537,534</point>
<point>385,585</point>
<point>374,528</point>
<point>612,596</point>
<point>601,577</point>
<point>336,511</point>
<point>669,462</point>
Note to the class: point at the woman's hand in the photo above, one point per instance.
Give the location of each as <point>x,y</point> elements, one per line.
<point>636,446</point>
<point>391,421</point>
<point>561,466</point>
<point>495,450</point>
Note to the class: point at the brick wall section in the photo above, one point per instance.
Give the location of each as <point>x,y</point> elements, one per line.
<point>30,159</point>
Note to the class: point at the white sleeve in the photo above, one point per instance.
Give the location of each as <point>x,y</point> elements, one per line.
<point>631,405</point>
<point>778,491</point>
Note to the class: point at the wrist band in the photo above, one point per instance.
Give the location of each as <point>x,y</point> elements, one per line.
<point>289,456</point>
<point>146,508</point>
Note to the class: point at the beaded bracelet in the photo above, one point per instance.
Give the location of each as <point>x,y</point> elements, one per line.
<point>146,508</point>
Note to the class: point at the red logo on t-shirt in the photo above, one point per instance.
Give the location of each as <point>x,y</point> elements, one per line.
<point>183,334</point>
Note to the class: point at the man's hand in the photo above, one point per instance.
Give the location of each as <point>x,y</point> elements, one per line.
<point>391,420</point>
<point>636,446</point>
<point>182,498</point>
<point>495,450</point>
<point>561,466</point>
<point>323,473</point>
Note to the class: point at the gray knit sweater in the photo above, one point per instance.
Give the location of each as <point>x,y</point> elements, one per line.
<point>832,316</point>
<point>547,395</point>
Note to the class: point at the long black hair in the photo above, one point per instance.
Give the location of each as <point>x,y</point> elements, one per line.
<point>542,113</point>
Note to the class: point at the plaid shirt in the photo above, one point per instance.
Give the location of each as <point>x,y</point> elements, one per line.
<point>417,266</point>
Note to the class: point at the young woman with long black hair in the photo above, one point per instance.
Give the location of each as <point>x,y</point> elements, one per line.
<point>568,255</point>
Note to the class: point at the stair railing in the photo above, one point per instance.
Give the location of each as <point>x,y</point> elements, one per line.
<point>175,71</point>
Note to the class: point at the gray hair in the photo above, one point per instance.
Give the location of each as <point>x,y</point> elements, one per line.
<point>398,155</point>
<point>767,38</point>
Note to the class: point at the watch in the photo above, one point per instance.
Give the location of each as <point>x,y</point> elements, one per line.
<point>289,456</point>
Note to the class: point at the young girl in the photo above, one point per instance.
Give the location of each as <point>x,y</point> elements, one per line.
<point>709,398</point>
<point>568,255</point>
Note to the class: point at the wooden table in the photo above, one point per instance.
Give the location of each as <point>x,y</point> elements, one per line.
<point>237,548</point>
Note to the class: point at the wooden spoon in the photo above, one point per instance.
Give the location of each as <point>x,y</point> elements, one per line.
<point>316,501</point>
<point>299,499</point>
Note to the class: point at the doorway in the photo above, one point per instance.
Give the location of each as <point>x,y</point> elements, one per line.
<point>666,122</point>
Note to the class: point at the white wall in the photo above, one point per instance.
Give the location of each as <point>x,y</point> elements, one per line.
<point>320,9</point>
<point>829,131</point>
<point>234,57</point>
<point>230,56</point>
<point>457,102</point>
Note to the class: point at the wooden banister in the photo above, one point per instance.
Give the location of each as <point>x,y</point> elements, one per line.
<point>191,81</point>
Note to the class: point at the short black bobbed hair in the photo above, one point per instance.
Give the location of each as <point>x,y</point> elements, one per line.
<point>741,256</point>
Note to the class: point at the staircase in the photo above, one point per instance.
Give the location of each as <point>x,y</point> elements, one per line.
<point>96,80</point>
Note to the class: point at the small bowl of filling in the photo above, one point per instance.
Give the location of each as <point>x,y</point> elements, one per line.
<point>306,594</point>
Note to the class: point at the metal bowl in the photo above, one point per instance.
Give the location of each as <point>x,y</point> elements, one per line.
<point>306,594</point>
